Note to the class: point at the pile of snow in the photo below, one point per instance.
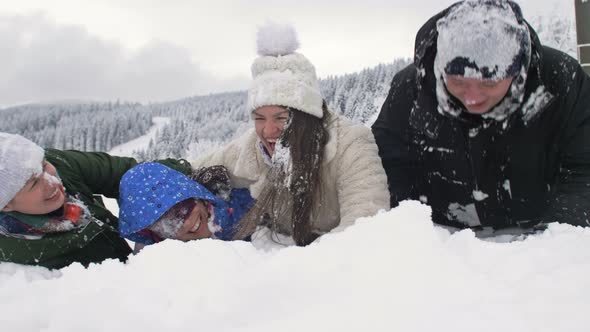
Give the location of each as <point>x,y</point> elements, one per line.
<point>391,272</point>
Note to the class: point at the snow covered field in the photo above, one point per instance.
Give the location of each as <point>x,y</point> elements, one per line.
<point>392,272</point>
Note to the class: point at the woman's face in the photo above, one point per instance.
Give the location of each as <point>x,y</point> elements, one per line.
<point>269,122</point>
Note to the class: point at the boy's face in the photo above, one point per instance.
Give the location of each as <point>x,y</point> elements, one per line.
<point>42,194</point>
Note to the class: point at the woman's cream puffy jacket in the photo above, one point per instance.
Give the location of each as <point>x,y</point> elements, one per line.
<point>355,184</point>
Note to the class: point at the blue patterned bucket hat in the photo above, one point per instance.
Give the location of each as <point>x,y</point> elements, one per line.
<point>148,190</point>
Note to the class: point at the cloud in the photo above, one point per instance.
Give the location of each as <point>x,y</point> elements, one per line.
<point>44,61</point>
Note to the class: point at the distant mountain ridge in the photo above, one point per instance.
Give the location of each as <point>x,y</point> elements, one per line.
<point>197,124</point>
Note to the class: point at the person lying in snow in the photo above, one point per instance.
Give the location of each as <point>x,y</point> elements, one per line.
<point>309,169</point>
<point>488,126</point>
<point>157,203</point>
<point>50,212</point>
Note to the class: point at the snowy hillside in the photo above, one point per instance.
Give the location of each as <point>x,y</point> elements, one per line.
<point>86,126</point>
<point>143,142</point>
<point>197,124</point>
<point>401,274</point>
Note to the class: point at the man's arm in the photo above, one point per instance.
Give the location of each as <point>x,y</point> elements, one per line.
<point>390,131</point>
<point>570,202</point>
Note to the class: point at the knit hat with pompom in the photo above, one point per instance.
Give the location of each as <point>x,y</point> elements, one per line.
<point>281,76</point>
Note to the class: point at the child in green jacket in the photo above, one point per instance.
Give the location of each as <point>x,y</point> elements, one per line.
<point>51,214</point>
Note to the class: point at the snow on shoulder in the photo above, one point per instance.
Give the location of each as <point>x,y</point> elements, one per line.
<point>391,272</point>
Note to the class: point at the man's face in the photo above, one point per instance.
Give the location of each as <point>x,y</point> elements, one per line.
<point>269,122</point>
<point>43,193</point>
<point>478,96</point>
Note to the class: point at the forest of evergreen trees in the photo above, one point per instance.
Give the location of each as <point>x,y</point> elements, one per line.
<point>197,124</point>
<point>80,126</point>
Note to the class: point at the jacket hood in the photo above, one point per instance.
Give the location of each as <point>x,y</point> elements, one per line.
<point>148,190</point>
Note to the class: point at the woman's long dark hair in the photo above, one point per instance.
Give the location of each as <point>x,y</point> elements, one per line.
<point>297,186</point>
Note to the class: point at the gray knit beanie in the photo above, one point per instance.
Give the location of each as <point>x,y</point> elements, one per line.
<point>19,160</point>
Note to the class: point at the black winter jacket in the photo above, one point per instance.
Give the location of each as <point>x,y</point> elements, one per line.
<point>530,168</point>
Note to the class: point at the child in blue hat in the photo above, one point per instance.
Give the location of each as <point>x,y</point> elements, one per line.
<point>156,203</point>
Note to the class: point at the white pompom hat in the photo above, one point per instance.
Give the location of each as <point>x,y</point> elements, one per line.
<point>281,76</point>
<point>19,160</point>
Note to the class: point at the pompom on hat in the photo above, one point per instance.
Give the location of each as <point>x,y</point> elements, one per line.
<point>20,159</point>
<point>281,76</point>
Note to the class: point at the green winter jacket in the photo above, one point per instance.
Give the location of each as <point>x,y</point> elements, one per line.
<point>85,175</point>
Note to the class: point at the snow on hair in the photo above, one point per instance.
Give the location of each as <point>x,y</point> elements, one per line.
<point>275,39</point>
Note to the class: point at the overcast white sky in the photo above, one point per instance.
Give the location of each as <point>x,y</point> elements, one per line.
<point>155,50</point>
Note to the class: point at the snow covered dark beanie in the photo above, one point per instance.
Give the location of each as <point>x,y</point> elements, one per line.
<point>281,76</point>
<point>19,160</point>
<point>484,39</point>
